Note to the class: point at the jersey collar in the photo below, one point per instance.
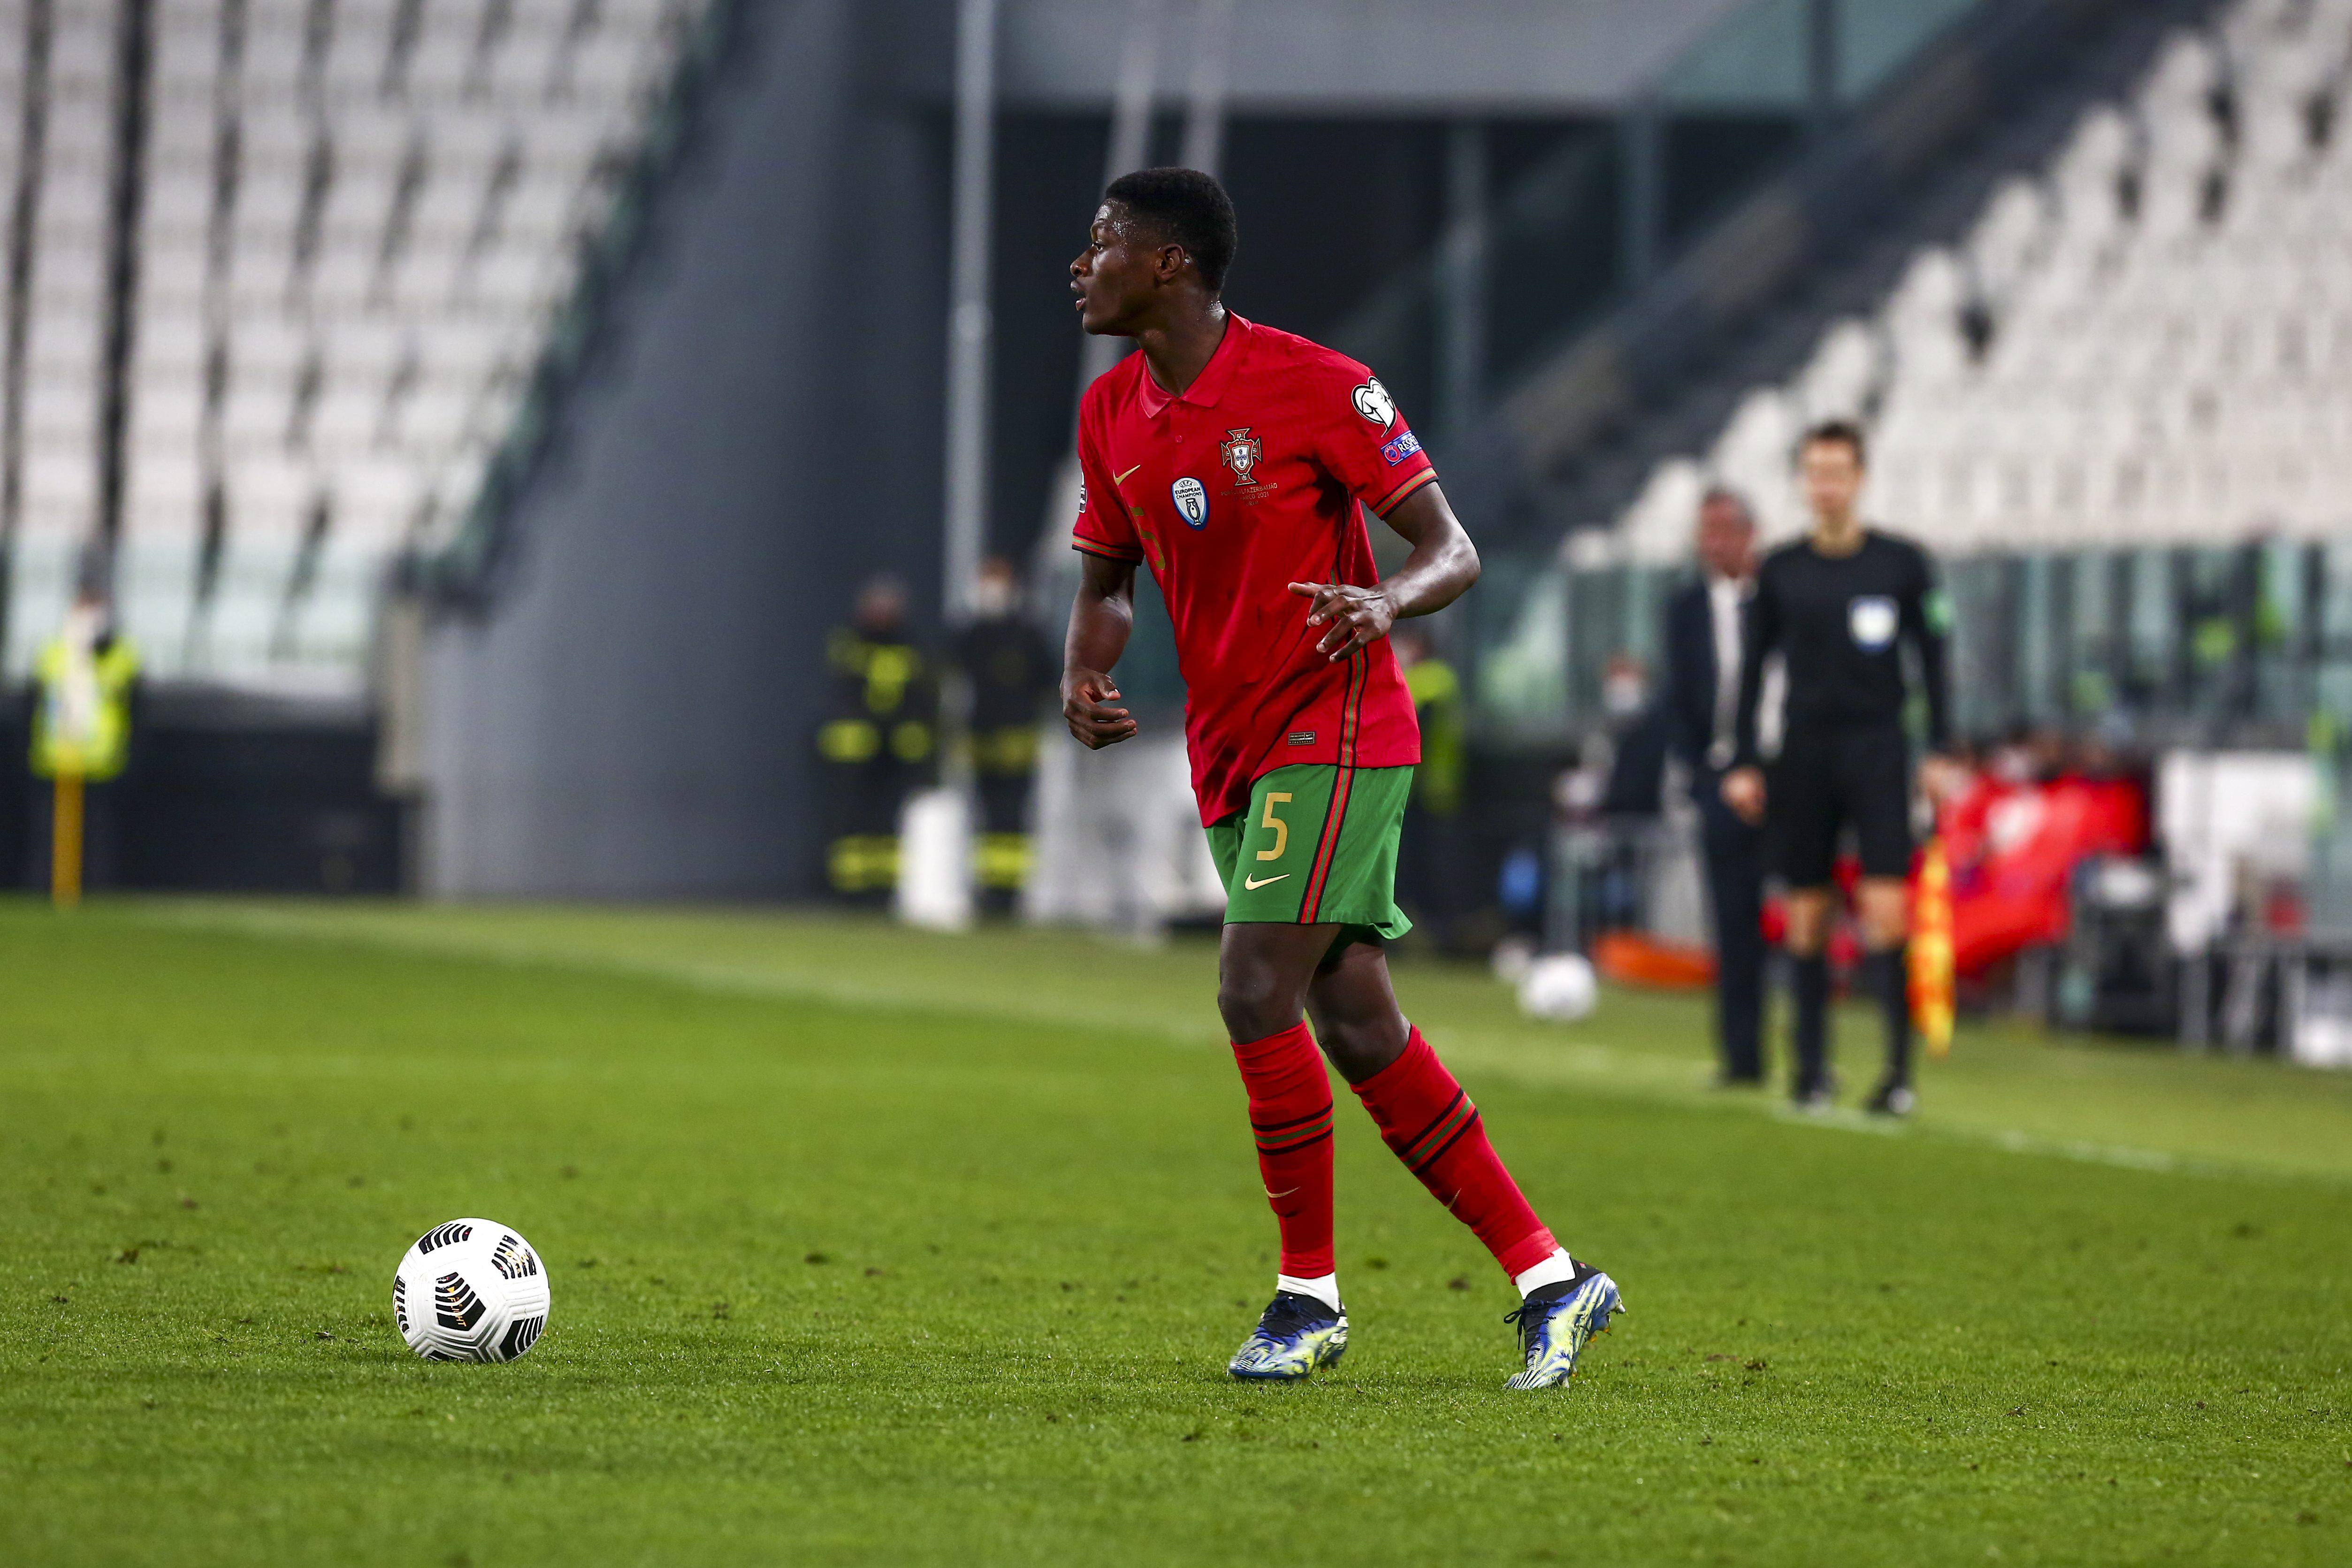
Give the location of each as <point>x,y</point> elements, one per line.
<point>1207,386</point>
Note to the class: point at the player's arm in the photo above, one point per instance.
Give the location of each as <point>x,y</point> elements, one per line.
<point>1443,566</point>
<point>1926,620</point>
<point>1101,617</point>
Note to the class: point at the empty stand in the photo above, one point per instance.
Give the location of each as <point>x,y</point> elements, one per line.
<point>359,218</point>
<point>2150,343</point>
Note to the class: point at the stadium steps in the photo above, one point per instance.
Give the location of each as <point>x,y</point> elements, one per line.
<point>1663,374</point>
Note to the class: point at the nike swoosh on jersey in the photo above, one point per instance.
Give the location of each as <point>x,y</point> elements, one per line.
<point>1252,884</point>
<point>1123,479</point>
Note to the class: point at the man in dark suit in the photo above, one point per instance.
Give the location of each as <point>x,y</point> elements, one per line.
<point>1705,626</point>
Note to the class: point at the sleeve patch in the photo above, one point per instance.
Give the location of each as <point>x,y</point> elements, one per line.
<point>1405,445</point>
<point>1373,402</point>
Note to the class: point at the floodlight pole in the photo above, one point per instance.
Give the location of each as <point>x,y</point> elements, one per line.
<point>1204,110</point>
<point>969,326</point>
<point>1462,282</point>
<point>1130,148</point>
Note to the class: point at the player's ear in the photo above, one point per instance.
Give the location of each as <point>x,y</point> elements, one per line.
<point>1170,262</point>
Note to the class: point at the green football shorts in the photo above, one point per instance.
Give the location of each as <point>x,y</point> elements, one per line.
<point>1316,846</point>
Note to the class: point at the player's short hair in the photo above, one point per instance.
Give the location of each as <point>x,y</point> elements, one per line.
<point>1186,208</point>
<point>1841,432</point>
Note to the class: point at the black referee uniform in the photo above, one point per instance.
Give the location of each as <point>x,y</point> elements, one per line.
<point>1840,622</point>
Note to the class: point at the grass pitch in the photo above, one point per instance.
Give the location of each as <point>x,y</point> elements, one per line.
<point>869,1245</point>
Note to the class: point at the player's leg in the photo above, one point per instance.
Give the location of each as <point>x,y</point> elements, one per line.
<point>1802,807</point>
<point>1423,1114</point>
<point>1429,1123</point>
<point>1808,919</point>
<point>1354,1010</point>
<point>1263,972</point>
<point>1881,769</point>
<point>1263,965</point>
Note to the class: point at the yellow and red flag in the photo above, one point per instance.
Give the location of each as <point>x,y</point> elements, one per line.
<point>1931,950</point>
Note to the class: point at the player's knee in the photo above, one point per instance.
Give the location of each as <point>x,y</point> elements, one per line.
<point>1886,912</point>
<point>1358,1050</point>
<point>1253,1002</point>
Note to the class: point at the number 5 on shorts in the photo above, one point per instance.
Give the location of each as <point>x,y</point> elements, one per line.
<point>1281,828</point>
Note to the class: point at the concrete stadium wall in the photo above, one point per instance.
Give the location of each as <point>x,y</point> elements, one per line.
<point>632,716</point>
<point>1370,56</point>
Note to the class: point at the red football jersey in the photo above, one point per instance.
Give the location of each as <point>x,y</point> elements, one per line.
<point>1252,480</point>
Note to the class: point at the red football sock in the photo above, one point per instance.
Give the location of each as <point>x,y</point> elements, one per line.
<point>1428,1122</point>
<point>1290,1113</point>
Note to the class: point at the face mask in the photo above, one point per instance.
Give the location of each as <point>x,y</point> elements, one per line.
<point>992,596</point>
<point>1622,695</point>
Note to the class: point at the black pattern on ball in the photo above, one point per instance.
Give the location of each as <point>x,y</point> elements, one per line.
<point>521,1335</point>
<point>513,1260</point>
<point>455,1305</point>
<point>443,1235</point>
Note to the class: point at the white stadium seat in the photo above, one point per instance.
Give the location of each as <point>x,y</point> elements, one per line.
<point>462,305</point>
<point>2179,375</point>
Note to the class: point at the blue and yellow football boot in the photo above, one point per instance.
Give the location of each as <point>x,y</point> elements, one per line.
<point>1556,1320</point>
<point>1298,1334</point>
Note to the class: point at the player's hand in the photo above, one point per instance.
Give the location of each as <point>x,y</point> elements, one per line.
<point>1086,697</point>
<point>1357,617</point>
<point>1743,791</point>
<point>1941,779</point>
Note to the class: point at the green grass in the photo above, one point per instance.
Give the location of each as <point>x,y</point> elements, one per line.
<point>869,1245</point>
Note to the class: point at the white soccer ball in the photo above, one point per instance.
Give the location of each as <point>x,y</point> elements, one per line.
<point>1561,988</point>
<point>472,1289</point>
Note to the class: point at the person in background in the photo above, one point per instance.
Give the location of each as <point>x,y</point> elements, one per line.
<point>1430,855</point>
<point>1705,633</point>
<point>1839,606</point>
<point>1011,671</point>
<point>1637,739</point>
<point>879,744</point>
<point>86,677</point>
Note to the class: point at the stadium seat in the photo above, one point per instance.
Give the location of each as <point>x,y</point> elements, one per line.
<point>2165,319</point>
<point>404,218</point>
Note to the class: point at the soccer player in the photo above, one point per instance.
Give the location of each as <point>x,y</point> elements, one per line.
<point>1837,605</point>
<point>1236,461</point>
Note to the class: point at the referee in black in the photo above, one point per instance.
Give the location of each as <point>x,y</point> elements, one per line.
<point>1838,605</point>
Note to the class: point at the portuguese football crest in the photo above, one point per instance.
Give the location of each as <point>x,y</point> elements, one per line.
<point>1243,451</point>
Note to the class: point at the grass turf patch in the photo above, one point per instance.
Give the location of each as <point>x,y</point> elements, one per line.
<point>869,1244</point>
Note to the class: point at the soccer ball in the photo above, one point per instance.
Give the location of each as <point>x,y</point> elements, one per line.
<point>1561,988</point>
<point>472,1289</point>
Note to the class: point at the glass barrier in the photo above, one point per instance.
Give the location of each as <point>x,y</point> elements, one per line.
<point>1759,58</point>
<point>2249,643</point>
<point>1728,114</point>
<point>1875,37</point>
